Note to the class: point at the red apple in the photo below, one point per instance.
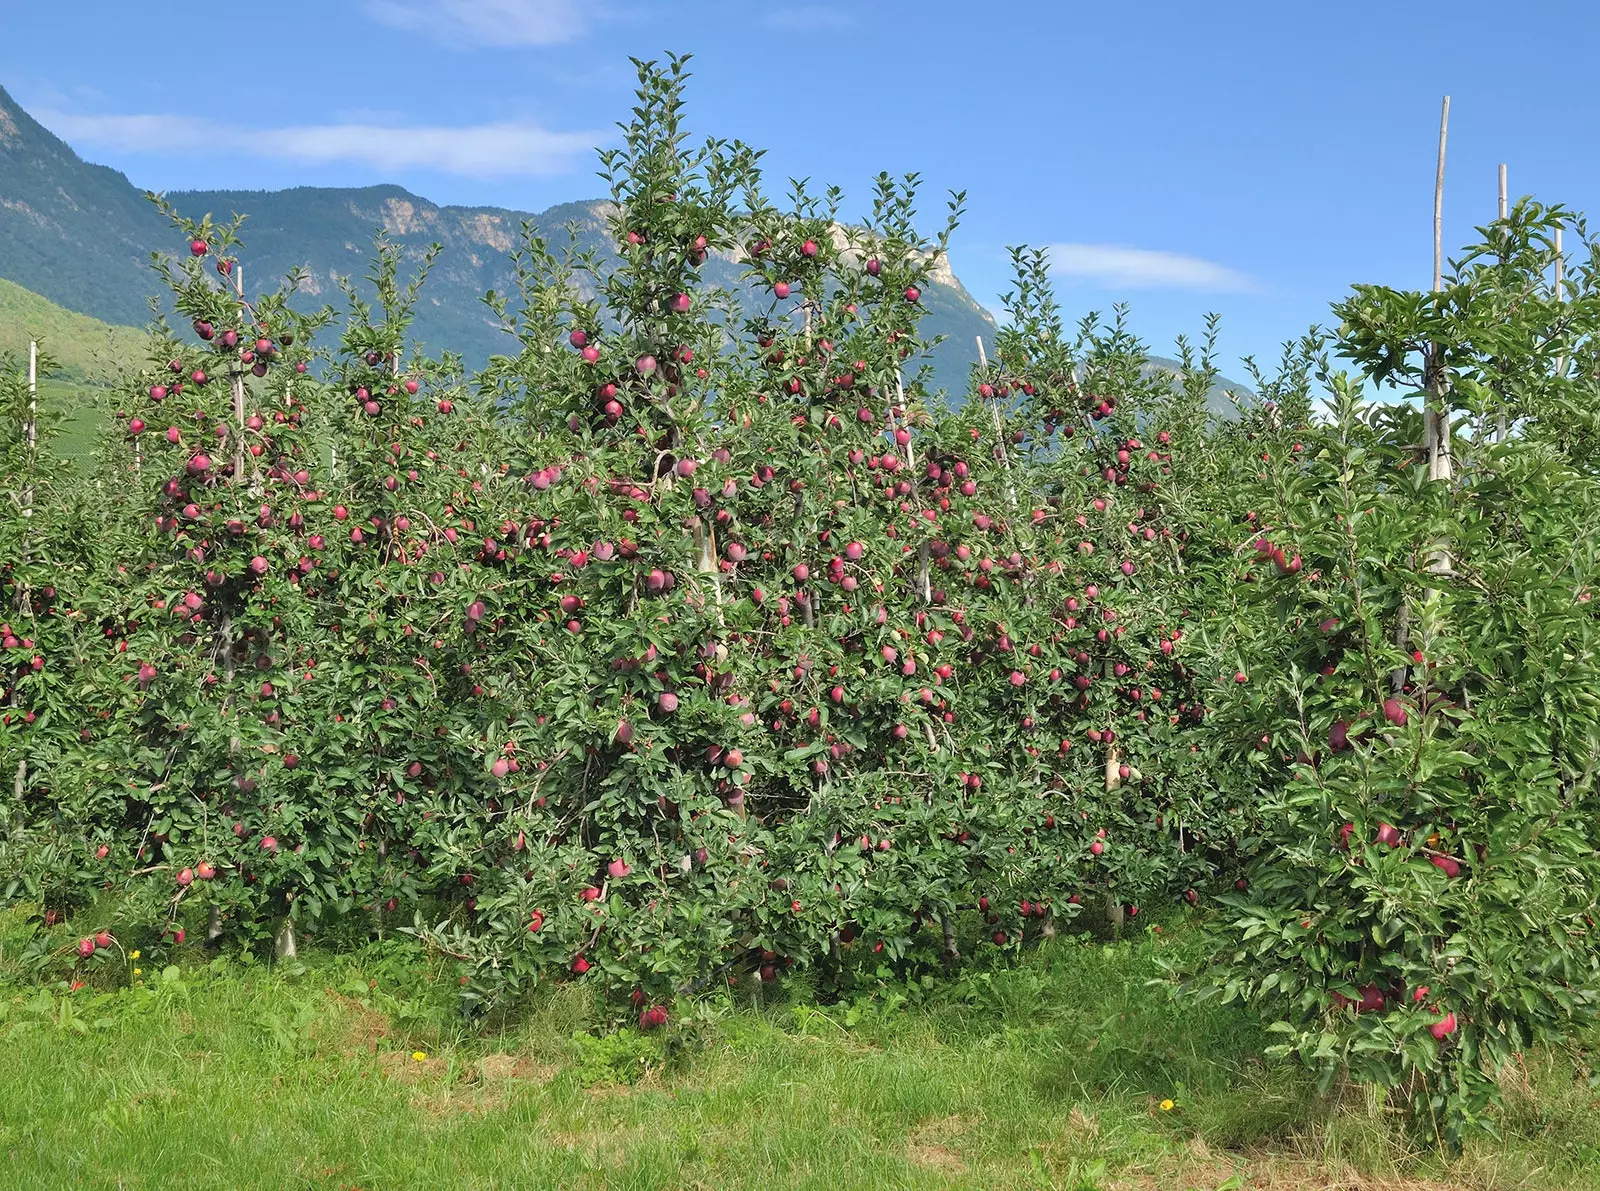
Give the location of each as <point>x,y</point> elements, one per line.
<point>1448,865</point>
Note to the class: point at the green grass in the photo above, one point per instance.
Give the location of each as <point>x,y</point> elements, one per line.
<point>233,1074</point>
<point>90,355</point>
<point>87,349</point>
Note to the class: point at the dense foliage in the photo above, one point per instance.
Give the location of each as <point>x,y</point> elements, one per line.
<point>688,646</point>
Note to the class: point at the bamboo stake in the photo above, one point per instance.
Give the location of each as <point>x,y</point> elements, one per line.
<point>924,581</point>
<point>900,403</point>
<point>30,436</point>
<point>238,387</point>
<point>1437,417</point>
<point>999,429</point>
<point>1561,295</point>
<point>30,427</point>
<point>1500,435</point>
<point>1436,412</point>
<point>1438,200</point>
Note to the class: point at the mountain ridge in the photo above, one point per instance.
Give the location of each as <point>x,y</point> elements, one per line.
<point>82,236</point>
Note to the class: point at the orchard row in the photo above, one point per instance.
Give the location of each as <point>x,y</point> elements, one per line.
<point>693,642</point>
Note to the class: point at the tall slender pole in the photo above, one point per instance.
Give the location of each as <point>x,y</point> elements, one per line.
<point>30,428</point>
<point>1561,296</point>
<point>1436,414</point>
<point>1500,433</point>
<point>238,385</point>
<point>1437,418</point>
<point>999,430</point>
<point>30,436</point>
<point>1438,201</point>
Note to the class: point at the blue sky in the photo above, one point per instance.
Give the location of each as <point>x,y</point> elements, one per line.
<point>1248,158</point>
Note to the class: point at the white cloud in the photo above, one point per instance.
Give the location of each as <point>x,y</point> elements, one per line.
<point>501,149</point>
<point>810,18</point>
<point>133,134</point>
<point>484,22</point>
<point>1113,265</point>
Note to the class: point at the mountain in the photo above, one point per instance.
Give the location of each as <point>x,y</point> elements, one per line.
<point>78,234</point>
<point>329,233</point>
<point>82,236</point>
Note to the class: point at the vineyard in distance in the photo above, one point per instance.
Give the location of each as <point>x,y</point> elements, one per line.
<point>689,748</point>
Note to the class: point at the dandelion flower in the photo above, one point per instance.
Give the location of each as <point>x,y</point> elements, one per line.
<point>134,954</point>
<point>419,1055</point>
<point>1167,1106</point>
<point>138,971</point>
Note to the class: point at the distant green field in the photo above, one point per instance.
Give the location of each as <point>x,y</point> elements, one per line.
<point>82,419</point>
<point>89,355</point>
<point>87,349</point>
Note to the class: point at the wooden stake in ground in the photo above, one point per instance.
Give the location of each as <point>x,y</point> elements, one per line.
<point>238,384</point>
<point>30,437</point>
<point>924,580</point>
<point>1436,416</point>
<point>999,430</point>
<point>30,427</point>
<point>1561,296</point>
<point>1113,776</point>
<point>1500,435</point>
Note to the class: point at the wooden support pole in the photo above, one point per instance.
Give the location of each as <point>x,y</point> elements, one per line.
<point>1438,201</point>
<point>999,428</point>
<point>1561,296</point>
<point>1500,429</point>
<point>237,378</point>
<point>30,437</point>
<point>1437,414</point>
<point>30,426</point>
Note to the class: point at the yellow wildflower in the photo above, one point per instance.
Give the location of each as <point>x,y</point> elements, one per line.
<point>134,954</point>
<point>138,971</point>
<point>419,1055</point>
<point>1167,1106</point>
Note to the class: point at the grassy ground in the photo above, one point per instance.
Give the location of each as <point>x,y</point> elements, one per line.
<point>87,349</point>
<point>354,1072</point>
<point>82,418</point>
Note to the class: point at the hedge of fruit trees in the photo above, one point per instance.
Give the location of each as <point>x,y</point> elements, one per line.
<point>685,648</point>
